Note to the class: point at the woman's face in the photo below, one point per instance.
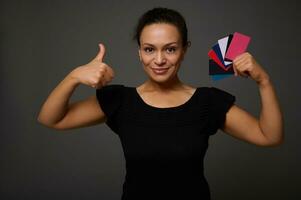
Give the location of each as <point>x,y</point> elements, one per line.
<point>161,51</point>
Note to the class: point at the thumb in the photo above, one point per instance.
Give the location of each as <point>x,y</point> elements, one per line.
<point>101,53</point>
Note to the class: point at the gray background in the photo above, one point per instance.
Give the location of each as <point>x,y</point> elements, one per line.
<point>42,41</point>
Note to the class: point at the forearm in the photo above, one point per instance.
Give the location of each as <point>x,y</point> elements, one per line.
<point>270,120</point>
<point>56,105</point>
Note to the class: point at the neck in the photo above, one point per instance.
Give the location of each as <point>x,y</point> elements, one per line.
<point>172,84</point>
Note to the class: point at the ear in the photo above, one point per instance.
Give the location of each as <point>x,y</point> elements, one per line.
<point>139,51</point>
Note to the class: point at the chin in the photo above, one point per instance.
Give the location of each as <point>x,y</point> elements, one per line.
<point>160,79</point>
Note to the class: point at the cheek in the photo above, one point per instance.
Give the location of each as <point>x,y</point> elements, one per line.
<point>176,59</point>
<point>146,60</point>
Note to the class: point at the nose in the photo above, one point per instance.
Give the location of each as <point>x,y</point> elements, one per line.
<point>160,58</point>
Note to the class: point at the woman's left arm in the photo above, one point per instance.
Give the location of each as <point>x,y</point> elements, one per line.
<point>268,129</point>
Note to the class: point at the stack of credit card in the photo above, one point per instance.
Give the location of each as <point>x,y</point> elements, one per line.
<point>224,52</point>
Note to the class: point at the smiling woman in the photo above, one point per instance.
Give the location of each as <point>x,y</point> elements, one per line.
<point>161,51</point>
<point>163,124</point>
<point>162,39</point>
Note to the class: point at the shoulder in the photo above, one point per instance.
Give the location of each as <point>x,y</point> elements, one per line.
<point>213,91</point>
<point>110,91</point>
<point>112,87</point>
<point>215,97</point>
<point>110,97</point>
<point>220,93</point>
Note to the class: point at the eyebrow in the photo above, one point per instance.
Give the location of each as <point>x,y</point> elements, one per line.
<point>164,45</point>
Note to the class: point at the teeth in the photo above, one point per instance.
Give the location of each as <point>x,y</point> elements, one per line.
<point>160,68</point>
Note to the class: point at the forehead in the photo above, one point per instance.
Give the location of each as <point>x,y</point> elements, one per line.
<point>160,33</point>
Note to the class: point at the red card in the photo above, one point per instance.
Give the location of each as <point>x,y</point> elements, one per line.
<point>214,57</point>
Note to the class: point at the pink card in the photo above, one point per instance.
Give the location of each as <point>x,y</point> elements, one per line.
<point>237,46</point>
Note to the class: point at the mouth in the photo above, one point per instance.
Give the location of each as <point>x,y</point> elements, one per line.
<point>160,71</point>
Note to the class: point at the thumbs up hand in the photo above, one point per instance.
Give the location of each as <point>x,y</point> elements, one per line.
<point>96,73</point>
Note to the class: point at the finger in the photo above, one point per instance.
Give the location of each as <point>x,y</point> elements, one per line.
<point>101,53</point>
<point>100,84</point>
<point>240,57</point>
<point>239,65</point>
<point>242,74</point>
<point>242,71</point>
<point>109,74</point>
<point>105,80</point>
<point>239,60</point>
<point>234,69</point>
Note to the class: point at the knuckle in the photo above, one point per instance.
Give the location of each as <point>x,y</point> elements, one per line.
<point>99,75</point>
<point>249,56</point>
<point>102,70</point>
<point>95,82</point>
<point>104,65</point>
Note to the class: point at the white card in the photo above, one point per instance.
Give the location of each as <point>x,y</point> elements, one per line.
<point>223,46</point>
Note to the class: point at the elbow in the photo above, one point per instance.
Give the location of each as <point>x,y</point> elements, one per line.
<point>43,122</point>
<point>276,142</point>
<point>280,140</point>
<point>49,125</point>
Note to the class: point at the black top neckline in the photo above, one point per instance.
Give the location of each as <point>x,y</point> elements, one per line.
<point>179,107</point>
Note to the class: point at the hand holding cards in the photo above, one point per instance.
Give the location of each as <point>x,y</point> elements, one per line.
<point>224,52</point>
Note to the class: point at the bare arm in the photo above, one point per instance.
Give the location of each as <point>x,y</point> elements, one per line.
<point>81,114</point>
<point>56,106</point>
<point>59,114</point>
<point>268,129</point>
<point>265,131</point>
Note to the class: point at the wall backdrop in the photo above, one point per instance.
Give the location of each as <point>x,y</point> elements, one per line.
<point>42,41</point>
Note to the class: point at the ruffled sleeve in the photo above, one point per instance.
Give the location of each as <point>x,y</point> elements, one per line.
<point>220,103</point>
<point>110,99</point>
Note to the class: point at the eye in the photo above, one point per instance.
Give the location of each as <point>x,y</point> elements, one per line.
<point>148,49</point>
<point>171,50</point>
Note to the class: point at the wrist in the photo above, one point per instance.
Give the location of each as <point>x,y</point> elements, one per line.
<point>264,82</point>
<point>73,78</point>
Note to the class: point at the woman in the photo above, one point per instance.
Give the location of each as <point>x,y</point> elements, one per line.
<point>163,124</point>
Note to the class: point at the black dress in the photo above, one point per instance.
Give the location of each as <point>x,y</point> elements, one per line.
<point>164,148</point>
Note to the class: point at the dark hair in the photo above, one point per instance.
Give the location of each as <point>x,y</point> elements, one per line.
<point>162,15</point>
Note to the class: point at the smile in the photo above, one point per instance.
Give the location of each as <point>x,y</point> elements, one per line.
<point>160,71</point>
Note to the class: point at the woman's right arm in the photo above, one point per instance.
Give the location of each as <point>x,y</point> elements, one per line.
<point>59,114</point>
